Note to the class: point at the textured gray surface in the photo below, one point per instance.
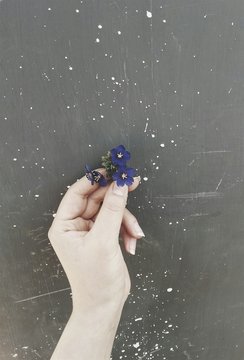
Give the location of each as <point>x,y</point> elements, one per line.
<point>170,88</point>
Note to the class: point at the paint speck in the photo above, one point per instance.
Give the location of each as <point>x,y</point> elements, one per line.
<point>138,319</point>
<point>136,345</point>
<point>49,9</point>
<point>70,68</point>
<point>14,226</point>
<point>145,178</point>
<point>169,289</point>
<point>14,159</point>
<point>99,26</point>
<point>164,20</point>
<point>37,195</point>
<point>153,135</point>
<point>149,14</point>
<point>97,40</point>
<point>172,141</point>
<point>113,78</point>
<point>162,145</point>
<point>77,10</point>
<point>119,32</point>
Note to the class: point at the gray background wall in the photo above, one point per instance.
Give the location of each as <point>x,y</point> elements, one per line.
<point>170,88</point>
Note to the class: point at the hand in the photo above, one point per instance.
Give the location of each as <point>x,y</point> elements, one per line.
<point>89,251</point>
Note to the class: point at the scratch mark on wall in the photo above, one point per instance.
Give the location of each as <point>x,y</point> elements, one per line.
<point>212,152</point>
<point>41,295</point>
<point>220,182</point>
<point>37,353</point>
<point>210,194</point>
<point>192,162</point>
<point>199,214</point>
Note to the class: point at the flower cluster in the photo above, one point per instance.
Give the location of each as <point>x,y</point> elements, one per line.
<point>116,169</point>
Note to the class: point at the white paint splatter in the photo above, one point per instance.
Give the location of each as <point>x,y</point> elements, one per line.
<point>149,14</point>
<point>138,319</point>
<point>169,289</point>
<point>145,130</point>
<point>136,345</point>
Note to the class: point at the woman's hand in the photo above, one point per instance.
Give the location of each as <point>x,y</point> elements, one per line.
<point>89,251</point>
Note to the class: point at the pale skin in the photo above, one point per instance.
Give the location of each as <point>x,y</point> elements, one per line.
<point>85,236</point>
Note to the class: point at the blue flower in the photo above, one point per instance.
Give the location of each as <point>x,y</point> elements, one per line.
<point>124,176</point>
<point>93,175</point>
<point>120,155</point>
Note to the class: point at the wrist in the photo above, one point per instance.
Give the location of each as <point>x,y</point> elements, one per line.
<point>99,316</point>
<point>89,334</point>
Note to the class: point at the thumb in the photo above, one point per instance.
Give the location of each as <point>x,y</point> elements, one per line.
<point>109,219</point>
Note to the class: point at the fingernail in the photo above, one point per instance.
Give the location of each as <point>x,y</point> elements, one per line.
<point>138,230</point>
<point>119,190</point>
<point>138,178</point>
<point>132,246</point>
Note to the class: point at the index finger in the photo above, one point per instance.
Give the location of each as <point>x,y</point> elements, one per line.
<point>74,202</point>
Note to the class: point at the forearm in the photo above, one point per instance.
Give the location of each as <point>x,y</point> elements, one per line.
<point>88,335</point>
